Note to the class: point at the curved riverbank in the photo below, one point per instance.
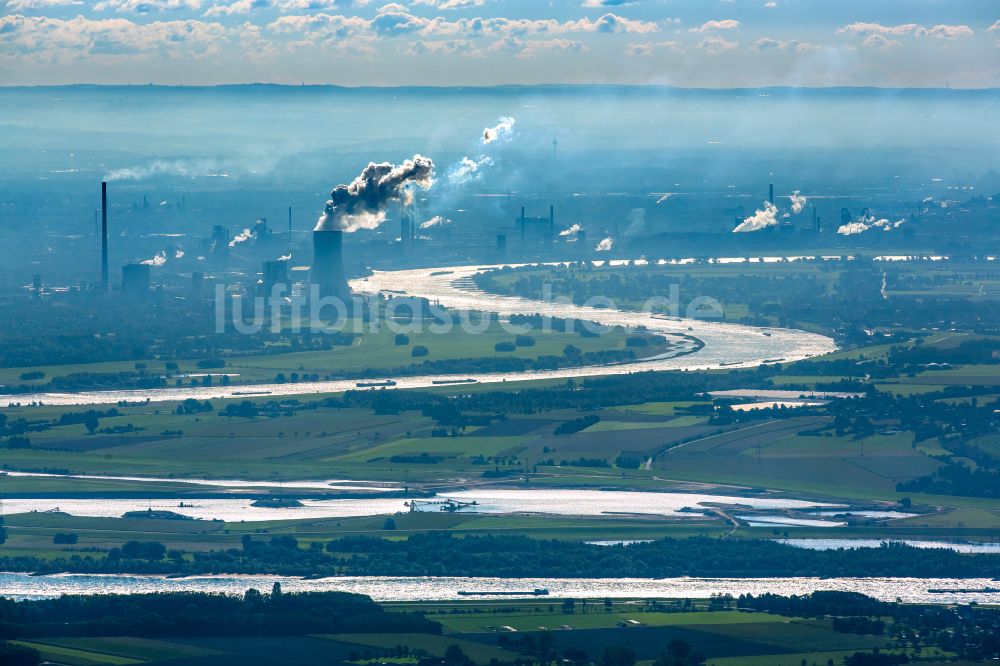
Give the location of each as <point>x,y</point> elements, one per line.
<point>723,345</point>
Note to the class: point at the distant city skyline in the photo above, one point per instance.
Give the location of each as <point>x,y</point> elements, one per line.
<point>691,43</point>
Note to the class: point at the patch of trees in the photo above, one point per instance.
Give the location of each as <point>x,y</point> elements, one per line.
<point>139,550</point>
<point>201,614</point>
<point>955,478</point>
<point>194,406</point>
<point>576,425</point>
<point>421,459</point>
<point>980,352</point>
<point>244,409</point>
<point>439,554</point>
<point>18,655</point>
<point>970,631</point>
<point>630,460</point>
<point>585,462</point>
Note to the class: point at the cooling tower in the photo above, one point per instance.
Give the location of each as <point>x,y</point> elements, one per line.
<point>328,264</point>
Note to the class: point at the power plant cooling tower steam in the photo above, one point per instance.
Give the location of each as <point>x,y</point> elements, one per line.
<point>361,204</point>
<point>328,263</point>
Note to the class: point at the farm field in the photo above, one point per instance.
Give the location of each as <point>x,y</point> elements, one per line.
<point>726,637</point>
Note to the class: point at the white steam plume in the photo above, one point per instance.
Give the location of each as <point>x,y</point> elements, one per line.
<point>241,237</point>
<point>499,132</point>
<point>180,168</point>
<point>436,221</point>
<point>158,259</point>
<point>605,245</point>
<point>285,257</point>
<point>362,203</point>
<point>467,170</point>
<point>179,253</point>
<point>636,222</point>
<point>798,202</point>
<point>762,219</point>
<point>572,231</point>
<point>866,224</point>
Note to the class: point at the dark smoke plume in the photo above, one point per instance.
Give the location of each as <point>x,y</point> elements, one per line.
<point>362,204</point>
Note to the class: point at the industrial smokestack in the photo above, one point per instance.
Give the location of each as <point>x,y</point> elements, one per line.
<point>552,223</point>
<point>104,235</point>
<point>328,263</point>
<point>770,193</point>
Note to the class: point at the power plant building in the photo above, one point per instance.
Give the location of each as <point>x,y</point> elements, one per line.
<point>328,263</point>
<point>135,278</point>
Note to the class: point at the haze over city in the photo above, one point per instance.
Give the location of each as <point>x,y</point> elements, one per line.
<point>499,332</point>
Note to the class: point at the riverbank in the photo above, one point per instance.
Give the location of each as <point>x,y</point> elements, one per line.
<point>440,554</point>
<point>698,344</point>
<point>422,588</point>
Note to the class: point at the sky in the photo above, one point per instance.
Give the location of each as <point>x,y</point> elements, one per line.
<point>689,43</point>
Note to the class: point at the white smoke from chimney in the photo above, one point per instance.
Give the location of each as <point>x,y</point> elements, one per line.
<point>179,253</point>
<point>436,221</point>
<point>798,202</point>
<point>605,245</point>
<point>158,259</point>
<point>180,168</point>
<point>636,222</point>
<point>285,257</point>
<point>362,203</point>
<point>866,224</point>
<point>499,132</point>
<point>241,237</point>
<point>467,170</point>
<point>762,219</point>
<point>572,231</point>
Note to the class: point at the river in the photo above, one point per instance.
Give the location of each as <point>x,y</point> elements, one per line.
<point>404,588</point>
<point>725,344</point>
<point>553,501</point>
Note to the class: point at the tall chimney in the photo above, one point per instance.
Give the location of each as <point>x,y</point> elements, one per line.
<point>328,263</point>
<point>104,235</point>
<point>552,224</point>
<point>770,193</point>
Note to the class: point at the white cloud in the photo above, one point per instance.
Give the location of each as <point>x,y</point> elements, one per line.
<point>445,46</point>
<point>535,47</point>
<point>940,31</point>
<point>237,7</point>
<point>880,42</point>
<point>66,40</point>
<point>646,49</point>
<point>794,45</point>
<point>31,5</point>
<point>712,26</point>
<point>949,31</point>
<point>451,4</point>
<point>716,44</point>
<point>395,21</point>
<point>146,6</point>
